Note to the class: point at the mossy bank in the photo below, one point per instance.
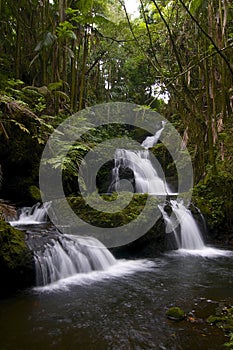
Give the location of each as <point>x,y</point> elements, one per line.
<point>16,260</point>
<point>127,208</point>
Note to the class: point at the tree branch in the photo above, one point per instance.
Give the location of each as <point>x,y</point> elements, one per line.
<point>170,36</point>
<point>135,38</point>
<point>219,51</point>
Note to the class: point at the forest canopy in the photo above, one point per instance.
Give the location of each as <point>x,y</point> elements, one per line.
<point>58,57</point>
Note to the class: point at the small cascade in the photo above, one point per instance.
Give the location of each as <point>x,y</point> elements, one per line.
<point>190,235</point>
<point>60,256</point>
<point>65,255</point>
<point>201,220</point>
<point>32,215</point>
<point>150,141</point>
<point>171,226</point>
<point>147,179</point>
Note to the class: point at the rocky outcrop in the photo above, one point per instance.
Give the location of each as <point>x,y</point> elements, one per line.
<point>17,269</point>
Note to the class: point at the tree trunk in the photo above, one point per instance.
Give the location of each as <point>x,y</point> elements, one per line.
<point>83,71</point>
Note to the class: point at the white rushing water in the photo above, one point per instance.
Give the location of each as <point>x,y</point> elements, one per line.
<point>187,234</point>
<point>67,255</point>
<point>121,268</point>
<point>147,179</point>
<point>150,141</point>
<point>190,235</point>
<point>171,225</point>
<point>61,260</point>
<point>31,215</point>
<point>64,260</point>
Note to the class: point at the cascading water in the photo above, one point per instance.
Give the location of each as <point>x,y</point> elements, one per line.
<point>147,179</point>
<point>190,236</point>
<point>32,215</point>
<point>150,141</point>
<point>60,256</point>
<point>66,255</point>
<point>183,225</point>
<point>171,225</point>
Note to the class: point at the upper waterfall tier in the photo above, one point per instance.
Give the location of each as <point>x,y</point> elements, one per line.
<point>146,176</point>
<point>150,141</point>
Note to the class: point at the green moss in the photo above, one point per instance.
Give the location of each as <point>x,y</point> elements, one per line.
<point>118,214</point>
<point>175,313</point>
<point>35,193</point>
<point>16,260</point>
<point>132,207</point>
<point>212,319</point>
<point>224,320</point>
<point>213,196</point>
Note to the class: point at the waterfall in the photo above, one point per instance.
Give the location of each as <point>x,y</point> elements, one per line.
<point>59,256</point>
<point>148,180</point>
<point>171,226</point>
<point>65,255</point>
<point>32,215</point>
<point>190,236</point>
<point>183,226</point>
<point>146,177</point>
<point>150,141</point>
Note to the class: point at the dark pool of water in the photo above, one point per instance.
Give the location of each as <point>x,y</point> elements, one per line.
<point>124,308</point>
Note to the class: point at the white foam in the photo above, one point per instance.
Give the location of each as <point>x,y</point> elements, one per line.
<point>206,252</point>
<point>32,215</point>
<point>120,269</point>
<point>26,222</point>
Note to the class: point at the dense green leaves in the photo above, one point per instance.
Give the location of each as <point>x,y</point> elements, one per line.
<point>57,57</point>
<point>195,5</point>
<point>47,41</point>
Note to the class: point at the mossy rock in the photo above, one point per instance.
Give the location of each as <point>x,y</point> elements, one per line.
<point>175,313</point>
<point>224,320</point>
<point>35,193</point>
<point>132,208</point>
<point>213,197</point>
<point>149,244</point>
<point>214,319</point>
<point>17,268</point>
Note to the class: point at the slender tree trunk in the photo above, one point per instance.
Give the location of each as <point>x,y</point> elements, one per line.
<point>83,72</point>
<point>209,121</point>
<point>43,52</point>
<point>18,46</point>
<point>62,47</point>
<point>74,79</point>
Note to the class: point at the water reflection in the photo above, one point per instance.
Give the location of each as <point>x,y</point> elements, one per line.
<point>123,310</point>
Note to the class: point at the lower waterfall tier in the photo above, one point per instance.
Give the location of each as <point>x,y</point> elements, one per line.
<point>63,256</point>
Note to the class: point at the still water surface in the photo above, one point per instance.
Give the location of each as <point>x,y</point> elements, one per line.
<point>123,308</point>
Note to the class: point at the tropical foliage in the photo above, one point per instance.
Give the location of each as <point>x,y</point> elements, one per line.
<point>57,57</point>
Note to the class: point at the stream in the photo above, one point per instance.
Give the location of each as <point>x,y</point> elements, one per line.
<point>124,307</point>
<point>87,300</point>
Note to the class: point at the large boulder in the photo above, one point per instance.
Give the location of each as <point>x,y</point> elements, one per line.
<point>148,245</point>
<point>17,269</point>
